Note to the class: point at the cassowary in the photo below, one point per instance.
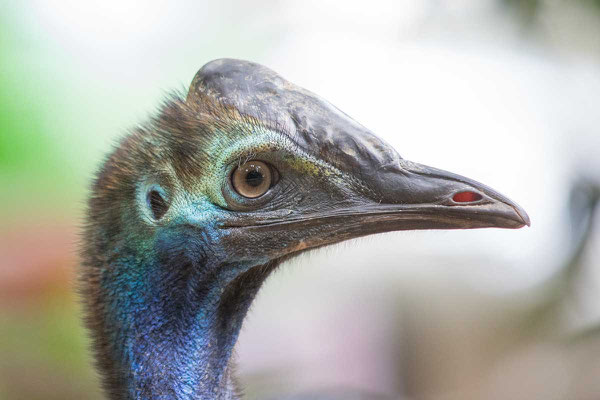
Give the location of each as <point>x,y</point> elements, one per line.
<point>192,211</point>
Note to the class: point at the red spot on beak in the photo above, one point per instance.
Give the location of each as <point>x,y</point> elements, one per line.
<point>466,197</point>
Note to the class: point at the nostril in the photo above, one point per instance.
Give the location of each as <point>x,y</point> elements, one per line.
<point>466,197</point>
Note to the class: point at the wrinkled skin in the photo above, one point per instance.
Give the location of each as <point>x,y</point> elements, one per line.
<point>174,255</point>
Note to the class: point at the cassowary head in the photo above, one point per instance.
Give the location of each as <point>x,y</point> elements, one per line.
<point>191,211</point>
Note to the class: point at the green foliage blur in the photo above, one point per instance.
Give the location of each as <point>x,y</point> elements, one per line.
<point>43,350</point>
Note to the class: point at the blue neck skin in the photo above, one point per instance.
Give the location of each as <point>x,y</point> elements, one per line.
<point>176,314</point>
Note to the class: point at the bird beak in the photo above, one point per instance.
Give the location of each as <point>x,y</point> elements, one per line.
<point>416,196</point>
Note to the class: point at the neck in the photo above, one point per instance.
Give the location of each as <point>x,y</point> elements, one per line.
<point>172,326</point>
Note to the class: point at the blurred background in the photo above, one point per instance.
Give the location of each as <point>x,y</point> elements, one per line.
<point>505,92</point>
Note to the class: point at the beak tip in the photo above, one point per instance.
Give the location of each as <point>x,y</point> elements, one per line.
<point>522,215</point>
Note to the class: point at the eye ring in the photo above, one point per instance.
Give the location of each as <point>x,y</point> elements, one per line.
<point>252,179</point>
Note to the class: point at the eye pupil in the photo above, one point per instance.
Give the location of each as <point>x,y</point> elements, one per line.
<point>254,178</point>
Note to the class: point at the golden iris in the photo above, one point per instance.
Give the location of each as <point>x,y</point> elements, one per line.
<point>252,179</point>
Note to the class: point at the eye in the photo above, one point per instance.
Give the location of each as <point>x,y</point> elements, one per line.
<point>252,179</point>
<point>157,204</point>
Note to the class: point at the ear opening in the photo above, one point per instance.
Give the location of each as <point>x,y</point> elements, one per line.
<point>156,203</point>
